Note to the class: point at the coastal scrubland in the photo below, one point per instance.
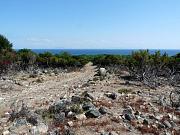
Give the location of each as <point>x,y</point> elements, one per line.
<point>58,94</point>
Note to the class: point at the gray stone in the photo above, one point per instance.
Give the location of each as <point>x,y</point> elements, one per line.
<point>52,74</point>
<point>103,110</point>
<point>59,106</point>
<point>2,100</point>
<point>70,123</point>
<point>142,116</point>
<point>137,113</point>
<point>86,94</point>
<point>111,95</point>
<point>87,106</point>
<point>45,71</point>
<point>41,129</point>
<point>152,117</point>
<point>145,122</point>
<point>178,109</point>
<point>93,113</point>
<point>71,114</point>
<point>54,132</point>
<point>128,117</point>
<point>113,133</point>
<point>56,71</point>
<point>160,125</point>
<point>5,78</point>
<point>173,124</point>
<point>167,124</point>
<point>21,112</point>
<point>87,99</point>
<point>69,132</point>
<point>6,132</point>
<point>32,119</point>
<point>104,133</point>
<point>175,95</point>
<point>128,110</point>
<point>128,113</point>
<point>92,82</point>
<point>76,99</point>
<point>162,101</point>
<point>81,117</point>
<point>59,118</point>
<point>20,122</point>
<point>102,72</point>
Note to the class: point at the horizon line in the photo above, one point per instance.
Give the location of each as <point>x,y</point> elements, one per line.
<point>97,48</point>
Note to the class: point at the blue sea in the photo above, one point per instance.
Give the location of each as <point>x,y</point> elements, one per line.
<point>101,51</point>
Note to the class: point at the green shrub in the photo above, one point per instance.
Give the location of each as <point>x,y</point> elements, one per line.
<point>7,54</point>
<point>5,44</point>
<point>125,91</point>
<point>26,57</point>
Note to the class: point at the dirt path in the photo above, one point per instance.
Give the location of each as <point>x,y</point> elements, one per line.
<point>52,88</point>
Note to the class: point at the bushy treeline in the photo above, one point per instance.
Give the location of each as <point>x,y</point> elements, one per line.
<point>25,58</point>
<point>137,60</point>
<point>151,69</point>
<point>142,64</point>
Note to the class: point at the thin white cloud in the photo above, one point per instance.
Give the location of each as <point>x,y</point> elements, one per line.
<point>38,41</point>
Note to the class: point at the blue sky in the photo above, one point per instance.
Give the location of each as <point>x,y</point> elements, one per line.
<point>94,24</point>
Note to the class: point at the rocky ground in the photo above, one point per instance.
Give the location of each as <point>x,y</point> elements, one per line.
<point>84,103</point>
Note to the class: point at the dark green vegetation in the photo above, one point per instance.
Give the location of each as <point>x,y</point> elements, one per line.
<point>151,69</point>
<point>25,58</point>
<point>140,64</point>
<point>7,54</point>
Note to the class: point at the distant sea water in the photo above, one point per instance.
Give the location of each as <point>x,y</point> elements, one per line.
<point>102,51</point>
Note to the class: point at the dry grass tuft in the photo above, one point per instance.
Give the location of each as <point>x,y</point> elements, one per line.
<point>125,91</point>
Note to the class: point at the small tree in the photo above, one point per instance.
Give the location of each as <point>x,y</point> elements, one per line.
<point>5,44</point>
<point>26,57</point>
<point>44,58</point>
<point>7,55</point>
